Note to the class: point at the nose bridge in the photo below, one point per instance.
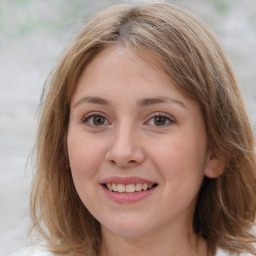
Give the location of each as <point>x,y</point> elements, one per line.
<point>124,135</point>
<point>123,143</point>
<point>124,148</point>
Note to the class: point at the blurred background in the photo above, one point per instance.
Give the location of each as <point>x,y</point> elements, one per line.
<point>33,34</point>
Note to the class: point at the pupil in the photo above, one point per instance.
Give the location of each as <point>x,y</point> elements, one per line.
<point>160,120</point>
<point>98,120</point>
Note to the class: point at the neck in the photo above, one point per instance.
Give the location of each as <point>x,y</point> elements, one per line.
<point>182,244</point>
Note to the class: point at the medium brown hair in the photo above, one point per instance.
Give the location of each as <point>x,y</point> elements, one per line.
<point>191,56</point>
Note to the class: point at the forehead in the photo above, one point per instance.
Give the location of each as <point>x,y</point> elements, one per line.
<point>117,62</point>
<point>142,56</point>
<point>116,72</point>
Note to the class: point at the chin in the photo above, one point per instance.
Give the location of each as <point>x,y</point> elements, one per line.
<point>128,229</point>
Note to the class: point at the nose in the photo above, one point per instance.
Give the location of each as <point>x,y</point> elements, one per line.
<point>125,149</point>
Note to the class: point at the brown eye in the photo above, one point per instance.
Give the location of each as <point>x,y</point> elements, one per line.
<point>160,120</point>
<point>95,120</point>
<point>98,120</point>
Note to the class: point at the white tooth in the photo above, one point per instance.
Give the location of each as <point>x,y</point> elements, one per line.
<point>109,186</point>
<point>150,186</point>
<point>120,188</point>
<point>114,187</point>
<point>138,187</point>
<point>145,186</point>
<point>130,188</point>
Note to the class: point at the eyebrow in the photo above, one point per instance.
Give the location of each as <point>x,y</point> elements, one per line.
<point>95,100</point>
<point>142,103</point>
<point>156,100</point>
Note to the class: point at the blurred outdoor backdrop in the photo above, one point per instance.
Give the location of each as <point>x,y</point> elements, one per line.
<point>33,34</point>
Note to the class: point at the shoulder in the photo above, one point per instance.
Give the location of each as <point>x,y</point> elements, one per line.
<point>221,252</point>
<point>32,251</point>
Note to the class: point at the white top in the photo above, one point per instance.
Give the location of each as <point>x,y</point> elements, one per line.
<point>32,251</point>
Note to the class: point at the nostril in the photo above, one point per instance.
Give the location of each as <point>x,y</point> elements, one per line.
<point>132,161</point>
<point>112,162</point>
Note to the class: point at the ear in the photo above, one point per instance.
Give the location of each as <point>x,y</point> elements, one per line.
<point>214,166</point>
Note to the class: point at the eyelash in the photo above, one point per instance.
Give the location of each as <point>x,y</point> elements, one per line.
<point>166,117</point>
<point>87,117</point>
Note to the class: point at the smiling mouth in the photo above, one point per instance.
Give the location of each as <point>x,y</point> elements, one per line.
<point>129,188</point>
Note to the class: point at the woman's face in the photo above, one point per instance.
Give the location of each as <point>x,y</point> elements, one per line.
<point>137,147</point>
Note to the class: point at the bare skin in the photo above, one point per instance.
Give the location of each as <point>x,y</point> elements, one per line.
<point>156,244</point>
<point>129,123</point>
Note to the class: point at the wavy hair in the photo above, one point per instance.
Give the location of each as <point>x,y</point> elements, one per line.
<point>191,56</point>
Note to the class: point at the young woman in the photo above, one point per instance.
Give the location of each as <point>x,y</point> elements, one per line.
<point>144,145</point>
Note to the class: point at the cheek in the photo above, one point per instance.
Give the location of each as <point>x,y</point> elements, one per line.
<point>85,158</point>
<point>85,155</point>
<point>180,158</point>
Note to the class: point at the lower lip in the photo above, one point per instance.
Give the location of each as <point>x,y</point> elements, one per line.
<point>128,197</point>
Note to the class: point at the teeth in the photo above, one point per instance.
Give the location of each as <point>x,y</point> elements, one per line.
<point>114,187</point>
<point>130,188</point>
<point>145,186</point>
<point>109,186</point>
<point>138,187</point>
<point>120,188</point>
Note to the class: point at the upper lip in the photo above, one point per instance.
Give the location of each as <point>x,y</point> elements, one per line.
<point>127,180</point>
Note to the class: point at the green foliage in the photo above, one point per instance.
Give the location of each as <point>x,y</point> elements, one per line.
<point>253,19</point>
<point>21,17</point>
<point>223,6</point>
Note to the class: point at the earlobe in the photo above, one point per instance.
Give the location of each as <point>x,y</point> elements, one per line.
<point>214,167</point>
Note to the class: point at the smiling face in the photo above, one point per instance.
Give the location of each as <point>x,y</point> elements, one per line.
<point>137,147</point>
